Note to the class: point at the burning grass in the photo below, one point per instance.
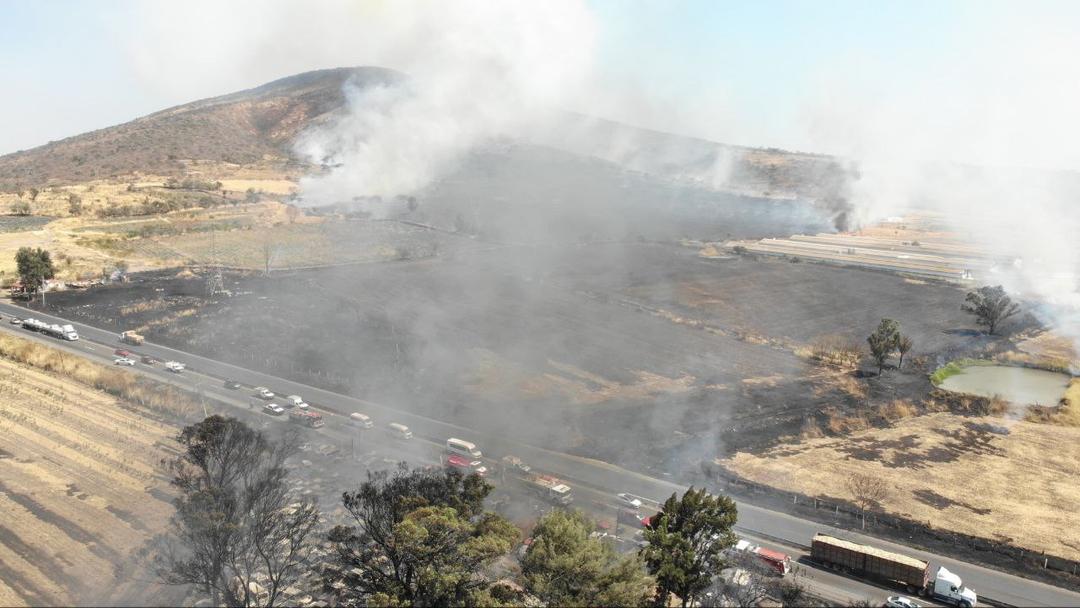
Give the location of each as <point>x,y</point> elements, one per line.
<point>991,477</point>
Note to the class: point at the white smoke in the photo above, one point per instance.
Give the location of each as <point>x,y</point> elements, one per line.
<point>987,140</point>
<point>476,71</point>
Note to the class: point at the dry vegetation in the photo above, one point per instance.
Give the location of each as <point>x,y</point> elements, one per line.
<point>491,376</point>
<point>975,475</point>
<point>81,491</point>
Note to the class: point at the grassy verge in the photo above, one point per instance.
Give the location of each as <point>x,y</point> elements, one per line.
<point>953,368</point>
<point>158,397</point>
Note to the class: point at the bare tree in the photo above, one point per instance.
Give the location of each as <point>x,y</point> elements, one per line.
<point>269,251</point>
<point>237,532</point>
<point>869,491</point>
<point>744,583</point>
<point>836,350</point>
<point>904,345</point>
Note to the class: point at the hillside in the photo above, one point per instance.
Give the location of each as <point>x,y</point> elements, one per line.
<point>258,126</point>
<point>240,128</point>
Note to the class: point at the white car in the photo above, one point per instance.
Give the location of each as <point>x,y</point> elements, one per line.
<point>175,367</point>
<point>263,393</point>
<point>899,601</point>
<point>629,500</point>
<point>273,409</point>
<point>123,361</point>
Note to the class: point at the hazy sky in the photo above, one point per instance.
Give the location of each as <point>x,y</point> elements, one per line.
<point>997,81</point>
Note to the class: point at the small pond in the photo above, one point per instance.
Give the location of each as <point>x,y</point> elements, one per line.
<point>1016,384</point>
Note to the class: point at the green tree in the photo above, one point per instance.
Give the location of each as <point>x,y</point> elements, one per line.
<point>991,306</point>
<point>565,566</point>
<point>236,520</point>
<point>34,192</point>
<point>685,543</point>
<point>419,538</point>
<point>35,266</point>
<point>883,342</point>
<point>904,345</point>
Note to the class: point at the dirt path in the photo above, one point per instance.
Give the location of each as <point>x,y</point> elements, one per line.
<point>76,467</point>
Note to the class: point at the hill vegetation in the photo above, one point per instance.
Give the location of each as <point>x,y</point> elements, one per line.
<point>242,128</point>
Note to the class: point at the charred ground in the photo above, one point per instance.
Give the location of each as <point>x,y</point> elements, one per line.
<point>595,346</point>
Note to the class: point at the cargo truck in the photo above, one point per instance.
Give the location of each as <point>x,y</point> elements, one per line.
<point>549,488</point>
<point>306,418</point>
<point>130,337</point>
<point>909,572</point>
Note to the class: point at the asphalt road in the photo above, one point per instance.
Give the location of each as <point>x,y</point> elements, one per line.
<point>779,528</point>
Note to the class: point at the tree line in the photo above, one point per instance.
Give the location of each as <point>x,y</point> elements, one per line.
<point>423,537</point>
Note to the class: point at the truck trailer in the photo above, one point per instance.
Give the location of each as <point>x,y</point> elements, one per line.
<point>908,572</point>
<point>550,488</point>
<point>63,332</point>
<point>132,338</point>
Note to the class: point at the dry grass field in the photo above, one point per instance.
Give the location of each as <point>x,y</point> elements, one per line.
<point>988,477</point>
<point>79,485</point>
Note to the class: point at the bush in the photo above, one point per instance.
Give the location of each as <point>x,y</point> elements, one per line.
<point>20,207</point>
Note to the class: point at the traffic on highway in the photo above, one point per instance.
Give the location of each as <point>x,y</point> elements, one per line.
<point>538,478</point>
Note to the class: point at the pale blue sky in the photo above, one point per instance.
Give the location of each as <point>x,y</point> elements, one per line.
<point>754,72</point>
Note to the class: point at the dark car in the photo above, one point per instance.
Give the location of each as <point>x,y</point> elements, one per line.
<point>148,360</point>
<point>231,384</point>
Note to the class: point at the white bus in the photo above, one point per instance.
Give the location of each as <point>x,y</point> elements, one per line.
<point>462,447</point>
<point>361,420</point>
<point>399,431</point>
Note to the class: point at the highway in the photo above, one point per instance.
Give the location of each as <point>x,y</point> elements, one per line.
<point>772,528</point>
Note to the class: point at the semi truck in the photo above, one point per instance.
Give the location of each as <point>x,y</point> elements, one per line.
<point>63,332</point>
<point>550,488</point>
<point>306,418</point>
<point>909,572</point>
<point>132,338</point>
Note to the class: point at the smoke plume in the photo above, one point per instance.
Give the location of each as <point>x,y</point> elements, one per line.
<point>988,142</point>
<point>476,71</point>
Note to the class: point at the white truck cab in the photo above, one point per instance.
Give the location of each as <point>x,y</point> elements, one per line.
<point>949,587</point>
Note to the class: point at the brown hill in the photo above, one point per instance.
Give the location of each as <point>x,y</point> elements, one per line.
<point>239,128</point>
<point>258,126</point>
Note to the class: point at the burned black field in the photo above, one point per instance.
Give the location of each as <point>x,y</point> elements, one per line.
<point>641,354</point>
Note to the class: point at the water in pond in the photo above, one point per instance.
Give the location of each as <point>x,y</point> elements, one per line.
<point>1016,384</point>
